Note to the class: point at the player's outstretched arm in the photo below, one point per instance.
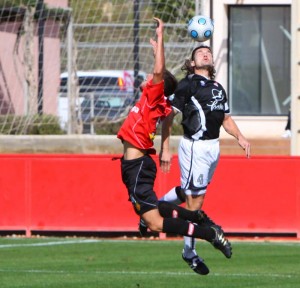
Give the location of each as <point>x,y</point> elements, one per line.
<point>159,53</point>
<point>232,129</point>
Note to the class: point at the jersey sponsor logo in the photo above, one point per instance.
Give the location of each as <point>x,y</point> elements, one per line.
<point>217,98</point>
<point>151,136</point>
<point>135,109</point>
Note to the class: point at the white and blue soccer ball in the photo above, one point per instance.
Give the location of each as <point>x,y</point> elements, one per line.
<point>200,28</point>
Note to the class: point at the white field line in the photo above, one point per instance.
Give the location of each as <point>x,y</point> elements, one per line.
<point>87,241</point>
<point>52,243</point>
<point>175,274</point>
<point>67,242</point>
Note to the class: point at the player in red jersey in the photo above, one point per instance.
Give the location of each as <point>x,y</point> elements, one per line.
<point>139,169</point>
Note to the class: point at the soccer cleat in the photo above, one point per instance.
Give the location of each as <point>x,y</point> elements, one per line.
<point>220,242</point>
<point>143,228</point>
<point>203,219</point>
<point>197,264</point>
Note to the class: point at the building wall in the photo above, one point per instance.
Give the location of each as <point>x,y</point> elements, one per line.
<point>14,93</point>
<point>57,3</point>
<point>11,81</point>
<point>220,44</point>
<point>252,126</point>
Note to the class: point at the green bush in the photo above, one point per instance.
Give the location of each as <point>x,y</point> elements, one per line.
<point>30,125</point>
<point>49,125</point>
<point>104,128</point>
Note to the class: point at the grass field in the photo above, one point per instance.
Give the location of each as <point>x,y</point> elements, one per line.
<point>91,263</point>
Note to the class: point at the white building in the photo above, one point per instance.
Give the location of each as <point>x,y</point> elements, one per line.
<point>252,50</point>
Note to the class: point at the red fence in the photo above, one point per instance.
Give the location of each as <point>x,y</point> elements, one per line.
<point>85,193</point>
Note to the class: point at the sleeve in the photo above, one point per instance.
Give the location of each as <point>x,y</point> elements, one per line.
<point>226,104</point>
<point>155,92</point>
<point>182,92</point>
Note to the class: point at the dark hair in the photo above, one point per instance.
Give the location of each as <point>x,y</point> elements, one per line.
<point>189,69</point>
<point>197,48</point>
<point>170,83</point>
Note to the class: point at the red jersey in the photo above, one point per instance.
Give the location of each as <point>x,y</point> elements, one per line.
<point>139,128</point>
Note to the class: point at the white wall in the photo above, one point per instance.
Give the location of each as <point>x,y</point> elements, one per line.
<point>259,126</point>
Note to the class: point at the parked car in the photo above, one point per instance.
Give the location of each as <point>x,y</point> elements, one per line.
<point>115,82</point>
<point>105,106</point>
<point>103,79</point>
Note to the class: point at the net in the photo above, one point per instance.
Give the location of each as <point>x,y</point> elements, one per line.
<point>73,66</point>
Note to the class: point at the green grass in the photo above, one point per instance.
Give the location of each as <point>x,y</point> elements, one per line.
<point>89,263</point>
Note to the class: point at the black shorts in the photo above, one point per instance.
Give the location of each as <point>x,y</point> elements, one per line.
<point>139,175</point>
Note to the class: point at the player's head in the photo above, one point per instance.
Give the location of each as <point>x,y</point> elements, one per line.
<point>201,58</point>
<point>170,83</point>
<point>200,48</point>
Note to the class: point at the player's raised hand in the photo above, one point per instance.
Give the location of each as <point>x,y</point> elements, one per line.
<point>159,33</point>
<point>159,27</point>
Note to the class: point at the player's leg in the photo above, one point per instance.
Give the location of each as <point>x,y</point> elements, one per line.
<point>190,256</point>
<point>157,223</point>
<point>170,210</point>
<point>138,175</point>
<point>175,195</point>
<point>189,253</point>
<point>178,226</point>
<point>197,167</point>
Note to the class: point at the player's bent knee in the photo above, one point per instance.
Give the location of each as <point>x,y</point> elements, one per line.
<point>153,220</point>
<point>155,225</point>
<point>155,228</point>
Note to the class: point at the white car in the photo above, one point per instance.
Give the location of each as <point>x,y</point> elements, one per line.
<point>92,82</point>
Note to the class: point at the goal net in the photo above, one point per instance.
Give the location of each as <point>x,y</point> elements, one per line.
<point>74,66</point>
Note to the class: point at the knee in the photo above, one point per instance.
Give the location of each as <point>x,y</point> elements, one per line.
<point>155,228</point>
<point>194,202</point>
<point>156,225</point>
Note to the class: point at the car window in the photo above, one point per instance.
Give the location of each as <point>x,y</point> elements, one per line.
<point>124,81</point>
<point>114,101</point>
<point>105,100</point>
<point>89,84</point>
<point>101,104</point>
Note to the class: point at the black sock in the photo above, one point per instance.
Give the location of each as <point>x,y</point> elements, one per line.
<point>170,210</point>
<point>185,228</point>
<point>179,195</point>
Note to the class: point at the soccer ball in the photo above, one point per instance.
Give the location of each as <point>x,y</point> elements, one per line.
<point>201,28</point>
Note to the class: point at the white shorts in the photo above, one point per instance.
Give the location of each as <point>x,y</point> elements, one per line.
<point>198,161</point>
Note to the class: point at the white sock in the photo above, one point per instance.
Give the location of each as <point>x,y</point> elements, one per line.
<point>189,249</point>
<point>171,197</point>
